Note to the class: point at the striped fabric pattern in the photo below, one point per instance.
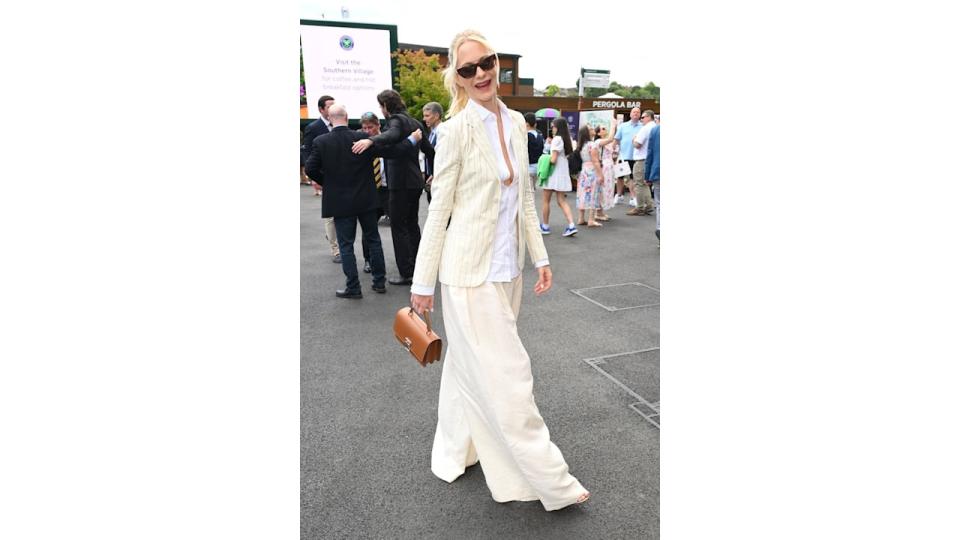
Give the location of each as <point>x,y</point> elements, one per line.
<point>377,175</point>
<point>466,190</point>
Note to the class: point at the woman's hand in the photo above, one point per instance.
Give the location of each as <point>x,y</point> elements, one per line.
<point>545,282</point>
<point>360,146</point>
<point>421,303</point>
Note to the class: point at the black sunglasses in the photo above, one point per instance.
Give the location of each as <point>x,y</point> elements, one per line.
<point>467,71</point>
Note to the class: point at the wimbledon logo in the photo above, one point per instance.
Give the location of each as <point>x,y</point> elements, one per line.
<point>346,43</point>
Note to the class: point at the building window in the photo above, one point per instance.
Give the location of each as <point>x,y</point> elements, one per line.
<point>506,76</point>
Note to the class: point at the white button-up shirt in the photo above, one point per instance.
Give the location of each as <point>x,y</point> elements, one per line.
<point>503,266</point>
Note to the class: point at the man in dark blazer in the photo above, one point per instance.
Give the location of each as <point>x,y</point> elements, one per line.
<point>404,180</point>
<point>349,194</point>
<point>320,126</point>
<point>432,117</point>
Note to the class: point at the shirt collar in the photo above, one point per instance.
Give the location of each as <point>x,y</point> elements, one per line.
<point>485,113</point>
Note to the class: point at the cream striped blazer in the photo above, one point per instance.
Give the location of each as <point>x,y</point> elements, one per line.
<point>466,189</point>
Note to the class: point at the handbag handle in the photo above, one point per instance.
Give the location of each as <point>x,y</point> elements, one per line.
<point>427,313</point>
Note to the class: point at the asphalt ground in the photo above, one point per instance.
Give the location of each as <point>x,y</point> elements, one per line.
<point>368,410</point>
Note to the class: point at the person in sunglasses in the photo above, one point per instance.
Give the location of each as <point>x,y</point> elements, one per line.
<point>486,410</point>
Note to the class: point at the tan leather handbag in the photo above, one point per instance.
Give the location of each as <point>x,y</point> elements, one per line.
<point>416,336</point>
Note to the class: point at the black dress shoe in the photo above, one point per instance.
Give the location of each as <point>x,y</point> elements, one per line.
<point>343,293</point>
<point>401,281</point>
<point>366,267</point>
<point>380,288</point>
<point>337,259</point>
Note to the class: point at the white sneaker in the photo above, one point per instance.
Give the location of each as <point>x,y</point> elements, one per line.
<point>617,199</point>
<point>633,203</point>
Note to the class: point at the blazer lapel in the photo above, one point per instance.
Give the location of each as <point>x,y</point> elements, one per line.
<point>520,166</point>
<point>479,134</point>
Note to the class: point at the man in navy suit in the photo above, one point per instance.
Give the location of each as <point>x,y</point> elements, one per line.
<point>320,126</point>
<point>350,194</point>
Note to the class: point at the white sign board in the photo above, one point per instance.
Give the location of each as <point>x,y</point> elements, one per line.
<point>350,64</point>
<point>596,118</point>
<point>595,78</point>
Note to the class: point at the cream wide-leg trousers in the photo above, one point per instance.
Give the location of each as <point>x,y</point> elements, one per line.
<point>486,409</point>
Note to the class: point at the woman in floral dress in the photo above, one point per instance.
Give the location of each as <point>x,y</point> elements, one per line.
<point>590,179</point>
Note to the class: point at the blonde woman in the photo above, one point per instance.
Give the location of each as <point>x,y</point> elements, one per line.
<point>609,152</point>
<point>486,409</point>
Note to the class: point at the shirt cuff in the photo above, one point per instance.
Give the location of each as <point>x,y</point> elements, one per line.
<point>422,290</point>
<point>412,140</point>
<point>541,263</point>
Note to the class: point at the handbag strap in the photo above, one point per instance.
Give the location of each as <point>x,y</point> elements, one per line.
<point>427,313</point>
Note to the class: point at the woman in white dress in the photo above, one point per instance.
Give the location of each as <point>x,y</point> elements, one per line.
<point>486,409</point>
<point>559,182</point>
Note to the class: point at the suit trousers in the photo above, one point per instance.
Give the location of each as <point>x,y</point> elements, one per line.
<point>384,195</point>
<point>346,237</point>
<point>405,228</point>
<point>486,408</point>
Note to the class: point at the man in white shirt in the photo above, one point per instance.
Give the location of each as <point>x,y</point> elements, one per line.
<point>644,198</point>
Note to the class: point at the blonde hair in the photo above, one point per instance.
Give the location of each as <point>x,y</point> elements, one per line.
<point>458,96</point>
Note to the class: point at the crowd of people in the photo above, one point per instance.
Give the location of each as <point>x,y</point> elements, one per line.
<point>606,163</point>
<point>361,187</point>
<point>481,221</point>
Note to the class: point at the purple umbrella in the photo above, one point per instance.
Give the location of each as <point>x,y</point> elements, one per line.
<point>547,113</point>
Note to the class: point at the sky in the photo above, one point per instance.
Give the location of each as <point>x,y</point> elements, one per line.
<point>552,49</point>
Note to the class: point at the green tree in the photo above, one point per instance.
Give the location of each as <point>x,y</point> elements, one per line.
<point>648,91</point>
<point>651,91</point>
<point>594,92</point>
<point>588,92</point>
<point>551,90</point>
<point>419,81</point>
